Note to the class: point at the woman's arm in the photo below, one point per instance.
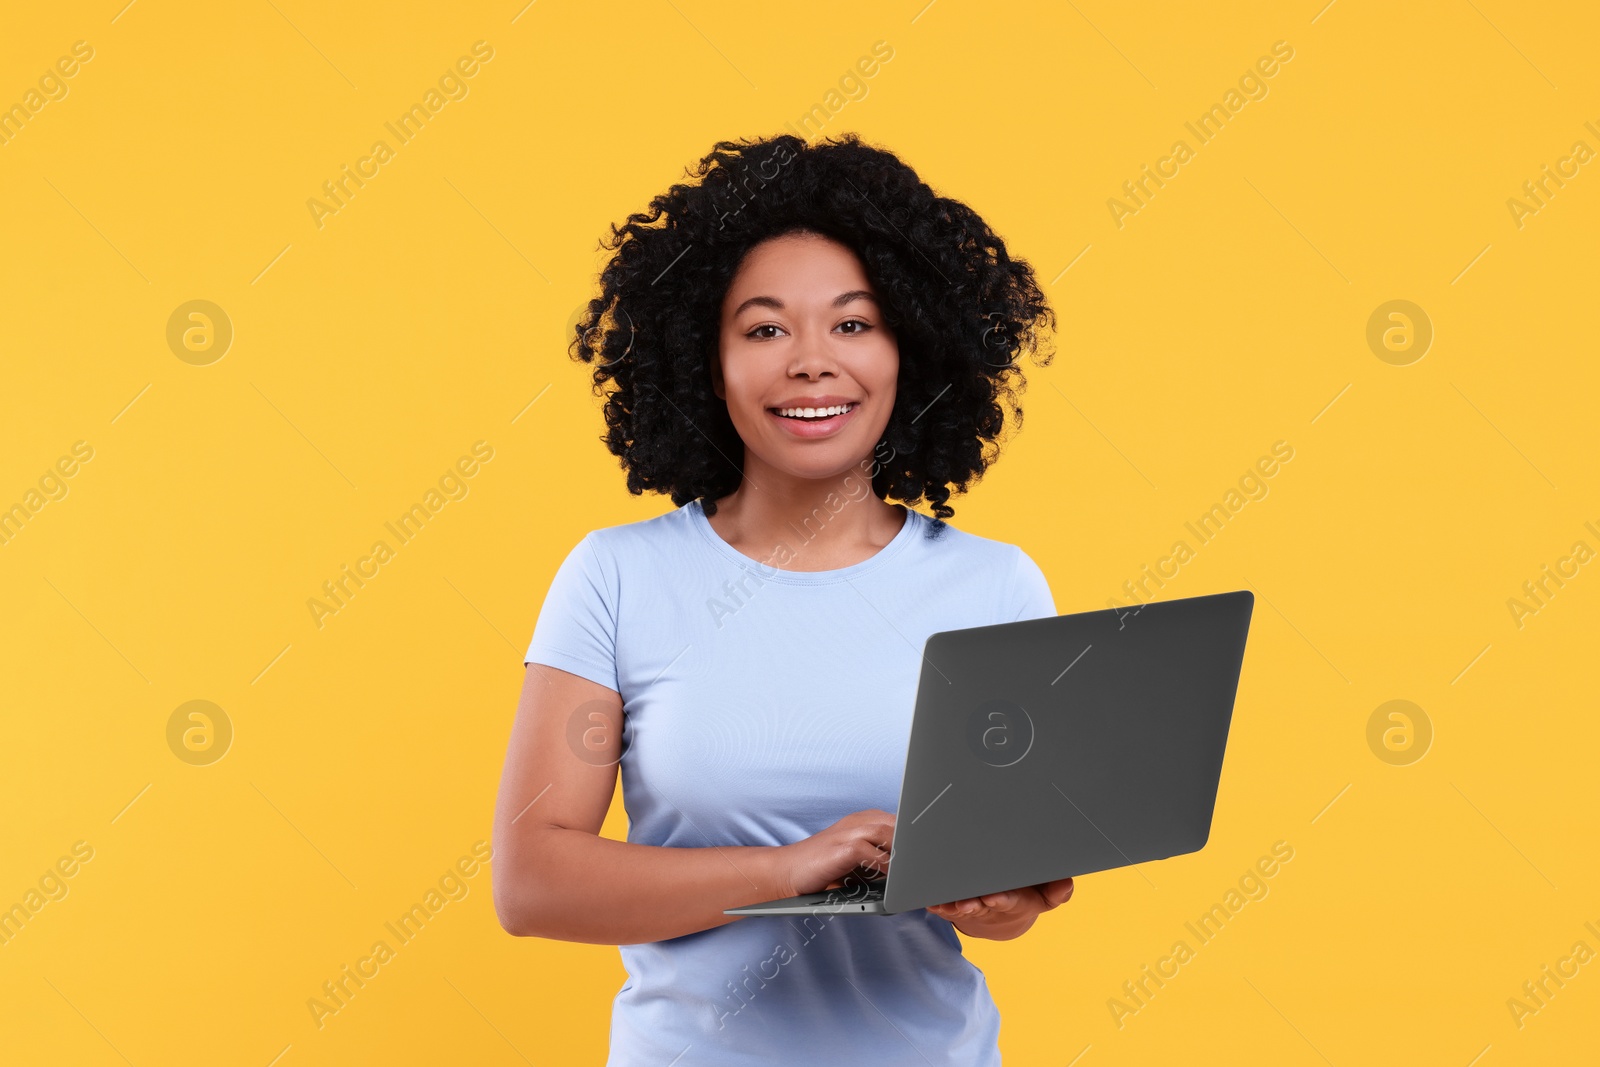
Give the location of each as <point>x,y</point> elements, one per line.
<point>555,877</point>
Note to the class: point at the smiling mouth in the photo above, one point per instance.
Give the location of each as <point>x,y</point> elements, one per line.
<point>813,414</point>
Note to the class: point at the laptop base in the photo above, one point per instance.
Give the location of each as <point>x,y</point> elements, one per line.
<point>857,901</point>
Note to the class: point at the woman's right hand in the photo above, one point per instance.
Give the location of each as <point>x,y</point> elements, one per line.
<point>860,840</point>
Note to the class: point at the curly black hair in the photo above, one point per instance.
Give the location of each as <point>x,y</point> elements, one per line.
<point>961,308</point>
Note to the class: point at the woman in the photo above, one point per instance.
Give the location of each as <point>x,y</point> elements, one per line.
<point>783,343</point>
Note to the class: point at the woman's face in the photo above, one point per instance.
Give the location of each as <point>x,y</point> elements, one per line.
<point>801,328</point>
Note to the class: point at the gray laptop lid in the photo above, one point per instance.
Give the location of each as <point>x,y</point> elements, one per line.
<point>1062,746</point>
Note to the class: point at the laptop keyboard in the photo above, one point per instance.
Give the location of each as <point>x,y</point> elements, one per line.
<point>856,894</point>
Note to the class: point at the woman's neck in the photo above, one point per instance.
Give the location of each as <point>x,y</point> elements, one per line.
<point>826,524</point>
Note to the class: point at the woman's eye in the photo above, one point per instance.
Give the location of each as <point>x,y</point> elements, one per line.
<point>860,325</point>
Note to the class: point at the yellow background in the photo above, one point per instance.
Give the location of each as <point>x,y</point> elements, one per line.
<point>1229,313</point>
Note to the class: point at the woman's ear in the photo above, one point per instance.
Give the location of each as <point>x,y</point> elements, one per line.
<point>716,371</point>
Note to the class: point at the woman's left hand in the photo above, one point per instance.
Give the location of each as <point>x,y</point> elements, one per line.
<point>1003,916</point>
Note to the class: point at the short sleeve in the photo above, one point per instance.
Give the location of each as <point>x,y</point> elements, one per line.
<point>577,626</point>
<point>1029,592</point>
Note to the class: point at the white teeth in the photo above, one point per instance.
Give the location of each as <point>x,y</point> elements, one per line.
<point>814,413</point>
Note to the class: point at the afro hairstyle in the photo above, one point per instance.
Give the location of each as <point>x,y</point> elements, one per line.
<point>961,308</point>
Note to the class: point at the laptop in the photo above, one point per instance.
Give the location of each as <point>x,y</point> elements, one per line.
<point>1055,747</point>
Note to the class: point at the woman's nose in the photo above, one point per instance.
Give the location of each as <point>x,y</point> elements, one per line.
<point>812,357</point>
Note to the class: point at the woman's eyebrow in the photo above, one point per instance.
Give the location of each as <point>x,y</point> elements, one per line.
<point>773,302</point>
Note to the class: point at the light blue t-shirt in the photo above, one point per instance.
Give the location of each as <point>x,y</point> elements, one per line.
<point>761,706</point>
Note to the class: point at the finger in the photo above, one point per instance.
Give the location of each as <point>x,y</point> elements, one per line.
<point>877,836</point>
<point>875,861</point>
<point>873,817</point>
<point>1054,894</point>
<point>867,854</point>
